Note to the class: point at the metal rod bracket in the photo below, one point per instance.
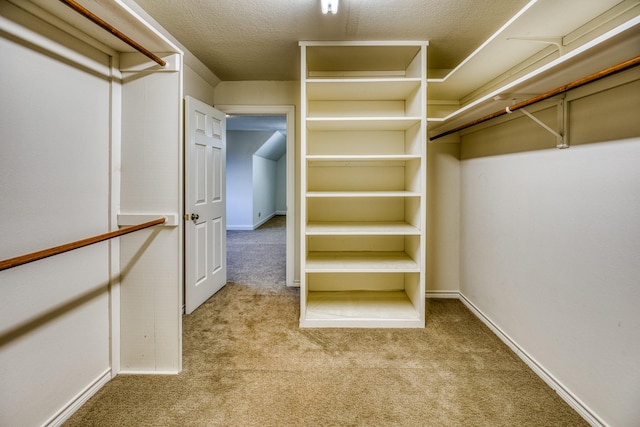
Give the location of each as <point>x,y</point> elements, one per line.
<point>560,137</point>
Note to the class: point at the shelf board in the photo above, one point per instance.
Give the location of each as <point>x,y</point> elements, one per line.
<point>603,51</point>
<point>361,89</point>
<point>365,56</point>
<point>361,157</point>
<point>361,228</point>
<point>360,309</point>
<point>360,262</point>
<point>353,194</point>
<point>361,123</point>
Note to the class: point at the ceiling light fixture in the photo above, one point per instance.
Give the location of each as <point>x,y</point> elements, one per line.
<point>329,6</point>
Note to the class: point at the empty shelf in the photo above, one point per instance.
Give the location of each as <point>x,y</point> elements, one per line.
<point>361,309</point>
<point>362,228</point>
<point>372,262</point>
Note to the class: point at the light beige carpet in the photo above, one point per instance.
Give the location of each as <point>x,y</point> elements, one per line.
<point>247,363</point>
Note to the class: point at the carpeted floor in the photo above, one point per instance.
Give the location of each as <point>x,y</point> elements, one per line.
<point>247,363</point>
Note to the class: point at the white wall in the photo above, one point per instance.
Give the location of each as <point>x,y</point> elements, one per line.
<point>241,208</point>
<point>55,173</point>
<point>281,186</point>
<point>550,242</point>
<point>443,220</point>
<point>151,260</point>
<point>197,87</point>
<point>264,189</point>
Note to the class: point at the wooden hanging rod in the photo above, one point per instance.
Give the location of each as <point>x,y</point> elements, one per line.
<point>562,89</point>
<point>105,25</point>
<point>35,256</point>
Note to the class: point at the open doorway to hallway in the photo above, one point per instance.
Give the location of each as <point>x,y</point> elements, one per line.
<point>260,181</point>
<point>256,199</point>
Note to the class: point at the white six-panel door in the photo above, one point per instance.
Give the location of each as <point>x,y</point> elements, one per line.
<point>205,203</point>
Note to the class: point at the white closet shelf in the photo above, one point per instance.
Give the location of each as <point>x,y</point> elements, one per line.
<point>361,123</point>
<point>380,194</point>
<point>361,309</point>
<point>391,228</point>
<point>361,157</point>
<point>361,89</point>
<point>366,262</point>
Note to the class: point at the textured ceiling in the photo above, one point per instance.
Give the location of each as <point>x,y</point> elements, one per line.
<point>258,39</point>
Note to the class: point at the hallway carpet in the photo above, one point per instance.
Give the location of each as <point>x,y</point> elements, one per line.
<point>247,363</point>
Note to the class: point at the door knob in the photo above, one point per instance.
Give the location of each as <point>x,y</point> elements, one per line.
<point>194,217</point>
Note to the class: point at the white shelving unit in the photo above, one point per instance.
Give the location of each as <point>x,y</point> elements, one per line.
<point>363,183</point>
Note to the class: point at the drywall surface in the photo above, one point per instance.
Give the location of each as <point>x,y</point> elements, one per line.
<point>264,189</point>
<point>241,179</point>
<point>151,260</point>
<point>258,93</point>
<point>55,175</point>
<point>550,243</point>
<point>197,87</point>
<point>443,219</point>
<point>281,186</point>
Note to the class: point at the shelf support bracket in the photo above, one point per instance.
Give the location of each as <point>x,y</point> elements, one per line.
<point>560,135</point>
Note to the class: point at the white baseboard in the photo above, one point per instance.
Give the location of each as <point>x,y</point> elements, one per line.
<point>443,294</point>
<point>263,220</point>
<point>239,227</point>
<point>252,226</point>
<point>70,408</point>
<point>551,381</point>
<point>133,372</point>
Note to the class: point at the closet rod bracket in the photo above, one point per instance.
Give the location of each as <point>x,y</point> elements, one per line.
<point>561,140</point>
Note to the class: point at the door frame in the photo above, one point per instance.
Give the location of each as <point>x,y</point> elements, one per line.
<point>289,112</point>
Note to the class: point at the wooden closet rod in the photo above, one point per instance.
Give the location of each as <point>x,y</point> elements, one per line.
<point>565,88</point>
<point>24,259</point>
<point>97,20</point>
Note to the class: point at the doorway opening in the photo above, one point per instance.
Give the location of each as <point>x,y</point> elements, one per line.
<point>260,177</point>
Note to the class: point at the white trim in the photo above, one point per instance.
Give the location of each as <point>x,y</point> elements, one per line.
<point>147,25</point>
<point>240,228</point>
<point>443,294</point>
<point>137,372</point>
<point>486,42</point>
<point>171,219</point>
<point>566,395</point>
<point>263,220</point>
<point>365,42</point>
<point>80,399</point>
<point>289,111</point>
<point>114,206</point>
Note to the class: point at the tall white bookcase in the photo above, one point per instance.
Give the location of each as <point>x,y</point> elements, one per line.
<point>363,180</point>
